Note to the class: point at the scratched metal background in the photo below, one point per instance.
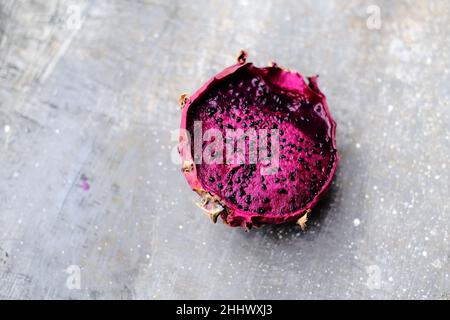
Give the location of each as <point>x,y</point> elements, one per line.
<point>88,171</point>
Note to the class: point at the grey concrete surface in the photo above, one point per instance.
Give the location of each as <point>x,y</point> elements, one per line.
<point>90,186</point>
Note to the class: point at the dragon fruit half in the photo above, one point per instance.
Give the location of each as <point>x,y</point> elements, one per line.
<point>258,145</point>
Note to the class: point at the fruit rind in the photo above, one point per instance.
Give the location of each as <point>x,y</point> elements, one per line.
<point>289,81</point>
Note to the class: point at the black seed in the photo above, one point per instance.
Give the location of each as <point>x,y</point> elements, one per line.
<point>232,198</point>
<point>239,206</point>
<point>282,191</point>
<point>220,185</point>
<point>238,180</point>
<point>219,120</point>
<point>238,119</point>
<point>210,111</point>
<point>299,149</point>
<point>261,210</point>
<point>248,199</point>
<point>292,176</point>
<point>277,180</point>
<point>211,179</point>
<point>281,132</point>
<point>301,159</point>
<point>264,187</point>
<point>266,200</point>
<point>262,179</point>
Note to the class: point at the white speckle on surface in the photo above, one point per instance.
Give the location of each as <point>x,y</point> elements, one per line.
<point>390,108</point>
<point>424,253</point>
<point>437,264</point>
<point>356,222</point>
<point>7,128</point>
<point>358,145</point>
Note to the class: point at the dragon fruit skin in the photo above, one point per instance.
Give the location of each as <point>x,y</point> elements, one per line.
<point>268,97</point>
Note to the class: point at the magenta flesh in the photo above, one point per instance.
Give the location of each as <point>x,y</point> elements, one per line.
<point>266,98</point>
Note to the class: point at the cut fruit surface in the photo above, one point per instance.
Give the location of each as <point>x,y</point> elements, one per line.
<point>282,136</point>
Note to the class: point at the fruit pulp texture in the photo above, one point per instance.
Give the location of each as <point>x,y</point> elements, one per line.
<point>306,154</point>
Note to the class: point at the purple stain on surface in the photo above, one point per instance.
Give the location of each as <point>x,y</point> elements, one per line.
<point>85,185</point>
